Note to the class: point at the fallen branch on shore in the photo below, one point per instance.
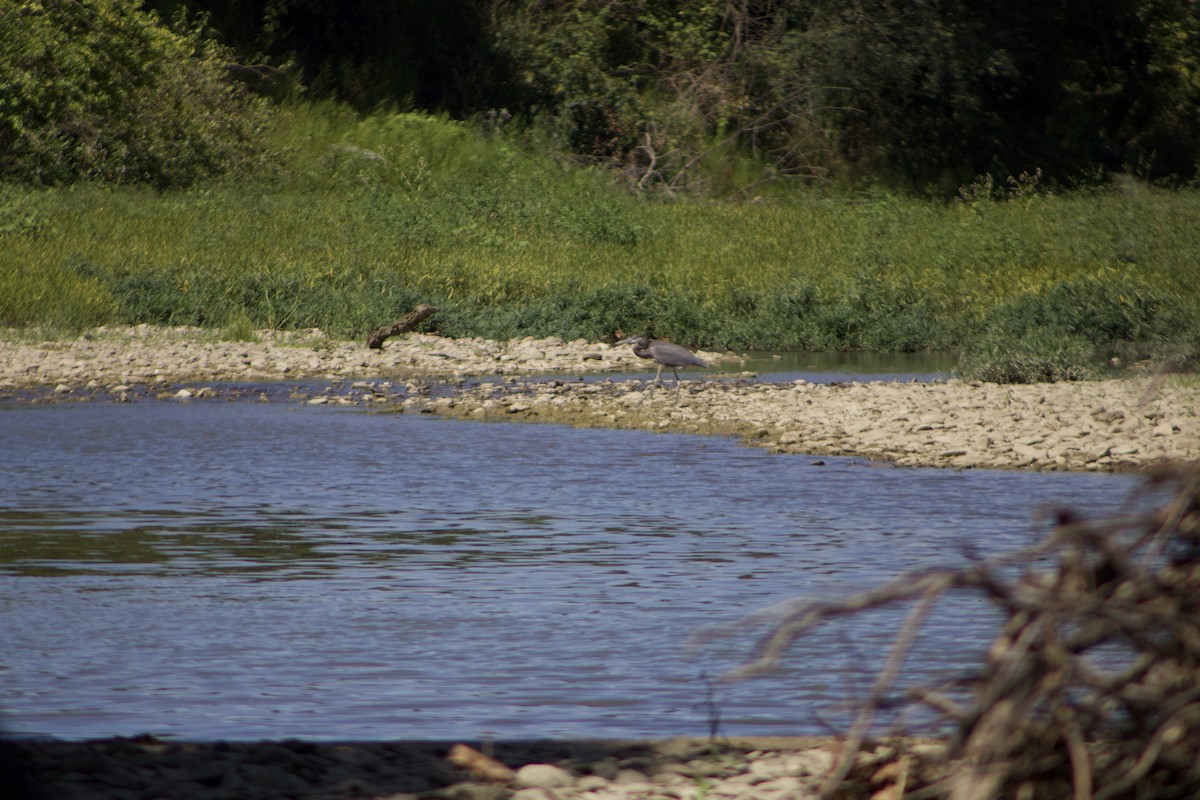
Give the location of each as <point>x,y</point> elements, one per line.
<point>1091,689</point>
<point>411,320</point>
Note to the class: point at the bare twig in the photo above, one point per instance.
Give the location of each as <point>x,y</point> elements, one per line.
<point>883,682</point>
<point>1091,688</point>
<point>411,320</point>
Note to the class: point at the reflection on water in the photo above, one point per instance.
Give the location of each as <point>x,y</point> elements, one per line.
<point>240,570</point>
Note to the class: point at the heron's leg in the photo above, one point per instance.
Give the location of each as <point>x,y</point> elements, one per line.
<point>646,393</point>
<point>676,385</point>
<point>653,385</point>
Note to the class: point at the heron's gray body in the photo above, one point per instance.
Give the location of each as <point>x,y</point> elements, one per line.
<point>664,354</point>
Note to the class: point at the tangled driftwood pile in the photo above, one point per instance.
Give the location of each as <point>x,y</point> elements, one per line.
<point>1091,688</point>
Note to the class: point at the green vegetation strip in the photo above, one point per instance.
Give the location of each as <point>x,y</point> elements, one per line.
<point>367,217</point>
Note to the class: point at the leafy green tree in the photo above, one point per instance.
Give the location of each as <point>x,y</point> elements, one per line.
<point>672,93</point>
<point>101,90</point>
<point>923,94</point>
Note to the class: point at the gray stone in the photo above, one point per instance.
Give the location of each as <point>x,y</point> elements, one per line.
<point>589,783</point>
<point>534,793</point>
<point>630,776</point>
<point>606,768</point>
<point>544,776</point>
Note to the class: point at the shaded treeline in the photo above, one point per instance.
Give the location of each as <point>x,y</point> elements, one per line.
<point>923,95</point>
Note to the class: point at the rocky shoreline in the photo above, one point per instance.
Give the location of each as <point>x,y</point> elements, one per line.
<point>1102,426</point>
<point>1109,425</point>
<point>762,768</point>
<point>144,354</point>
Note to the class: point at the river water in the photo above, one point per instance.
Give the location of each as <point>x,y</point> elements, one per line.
<point>246,570</point>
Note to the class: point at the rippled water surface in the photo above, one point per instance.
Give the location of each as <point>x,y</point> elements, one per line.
<point>243,570</point>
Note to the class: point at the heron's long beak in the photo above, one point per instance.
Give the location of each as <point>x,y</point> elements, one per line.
<point>630,340</point>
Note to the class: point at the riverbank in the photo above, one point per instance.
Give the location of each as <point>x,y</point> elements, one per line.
<point>1096,425</point>
<point>144,354</point>
<point>681,768</point>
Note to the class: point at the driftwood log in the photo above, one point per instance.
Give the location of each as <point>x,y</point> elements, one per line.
<point>410,321</point>
<point>1091,688</point>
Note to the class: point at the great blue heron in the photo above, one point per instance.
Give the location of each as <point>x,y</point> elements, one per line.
<point>665,354</point>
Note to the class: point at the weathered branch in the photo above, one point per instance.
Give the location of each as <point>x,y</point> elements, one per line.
<point>412,320</point>
<point>1091,688</point>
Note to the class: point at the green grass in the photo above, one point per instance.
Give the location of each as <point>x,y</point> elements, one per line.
<point>364,218</point>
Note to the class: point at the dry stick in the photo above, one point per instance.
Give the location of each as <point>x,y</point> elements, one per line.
<point>1148,758</point>
<point>1104,591</point>
<point>938,702</point>
<point>994,709</point>
<point>412,320</point>
<point>652,167</point>
<point>1081,770</point>
<point>883,682</point>
<point>909,586</point>
<point>1178,510</point>
<point>937,789</point>
<point>810,614</point>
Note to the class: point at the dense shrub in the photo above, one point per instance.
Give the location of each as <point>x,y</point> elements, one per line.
<point>102,90</point>
<point>1070,330</point>
<point>1035,357</point>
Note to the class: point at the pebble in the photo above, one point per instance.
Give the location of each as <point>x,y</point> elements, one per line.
<point>544,776</point>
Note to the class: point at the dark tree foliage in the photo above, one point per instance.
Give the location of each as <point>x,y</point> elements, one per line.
<point>924,94</point>
<point>427,55</point>
<point>940,92</point>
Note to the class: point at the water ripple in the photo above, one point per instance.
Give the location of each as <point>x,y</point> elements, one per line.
<point>248,571</point>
